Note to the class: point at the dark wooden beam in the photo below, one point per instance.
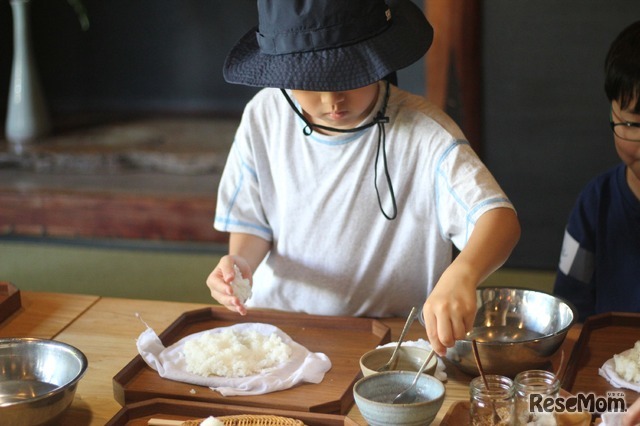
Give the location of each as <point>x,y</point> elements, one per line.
<point>454,62</point>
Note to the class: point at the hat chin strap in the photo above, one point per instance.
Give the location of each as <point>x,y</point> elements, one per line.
<point>380,120</point>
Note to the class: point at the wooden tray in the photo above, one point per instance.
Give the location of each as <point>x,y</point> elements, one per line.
<point>9,300</point>
<point>601,337</point>
<point>342,339</point>
<point>139,413</point>
<point>458,415</point>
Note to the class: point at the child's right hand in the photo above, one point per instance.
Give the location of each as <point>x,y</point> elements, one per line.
<point>219,282</point>
<point>632,416</point>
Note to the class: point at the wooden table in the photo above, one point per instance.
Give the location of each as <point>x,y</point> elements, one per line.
<point>105,329</point>
<point>45,315</point>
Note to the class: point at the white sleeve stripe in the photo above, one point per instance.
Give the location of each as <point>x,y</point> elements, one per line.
<point>576,261</point>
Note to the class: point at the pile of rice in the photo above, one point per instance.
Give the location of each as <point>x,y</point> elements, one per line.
<point>231,353</point>
<point>628,365</point>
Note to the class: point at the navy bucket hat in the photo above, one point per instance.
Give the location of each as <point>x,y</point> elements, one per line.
<point>328,45</point>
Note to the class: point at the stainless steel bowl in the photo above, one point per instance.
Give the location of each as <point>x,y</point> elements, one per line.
<point>515,329</point>
<point>38,380</point>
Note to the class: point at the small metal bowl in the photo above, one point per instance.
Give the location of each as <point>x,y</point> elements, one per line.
<point>515,329</point>
<point>38,380</point>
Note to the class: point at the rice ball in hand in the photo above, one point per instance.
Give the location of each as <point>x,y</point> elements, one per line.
<point>241,287</point>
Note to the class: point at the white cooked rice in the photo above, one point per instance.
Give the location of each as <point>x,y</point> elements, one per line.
<point>628,365</point>
<point>241,286</point>
<point>211,421</point>
<point>231,353</point>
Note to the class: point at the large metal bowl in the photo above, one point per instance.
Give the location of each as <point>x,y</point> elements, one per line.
<point>38,380</point>
<point>515,330</point>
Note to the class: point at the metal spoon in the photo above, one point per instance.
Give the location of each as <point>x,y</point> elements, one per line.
<point>496,418</point>
<point>394,354</point>
<point>410,394</point>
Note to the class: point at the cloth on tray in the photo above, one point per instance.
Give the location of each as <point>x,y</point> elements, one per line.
<point>611,418</point>
<point>439,374</point>
<point>608,371</point>
<point>170,363</point>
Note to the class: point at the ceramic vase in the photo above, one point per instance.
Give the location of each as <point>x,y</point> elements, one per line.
<point>27,114</point>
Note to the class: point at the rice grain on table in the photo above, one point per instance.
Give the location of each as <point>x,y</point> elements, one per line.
<point>231,353</point>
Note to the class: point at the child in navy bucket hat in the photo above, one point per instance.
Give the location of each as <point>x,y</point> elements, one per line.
<point>342,193</point>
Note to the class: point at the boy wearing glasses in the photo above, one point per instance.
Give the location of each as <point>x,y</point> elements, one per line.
<point>599,267</point>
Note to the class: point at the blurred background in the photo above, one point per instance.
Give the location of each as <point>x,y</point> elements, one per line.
<point>120,197</point>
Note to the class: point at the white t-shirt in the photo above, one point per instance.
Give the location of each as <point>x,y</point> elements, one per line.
<point>313,197</point>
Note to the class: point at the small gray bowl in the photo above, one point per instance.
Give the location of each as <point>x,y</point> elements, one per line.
<point>38,380</point>
<point>409,358</point>
<point>374,395</point>
<point>515,329</point>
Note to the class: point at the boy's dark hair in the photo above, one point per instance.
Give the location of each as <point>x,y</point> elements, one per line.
<point>622,68</point>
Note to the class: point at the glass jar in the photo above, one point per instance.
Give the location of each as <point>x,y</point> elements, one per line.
<point>532,388</point>
<point>499,396</point>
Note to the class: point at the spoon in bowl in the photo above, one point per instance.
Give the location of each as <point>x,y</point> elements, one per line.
<point>410,394</point>
<point>394,354</point>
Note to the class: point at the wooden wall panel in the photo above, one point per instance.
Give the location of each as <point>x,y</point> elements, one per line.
<point>453,63</point>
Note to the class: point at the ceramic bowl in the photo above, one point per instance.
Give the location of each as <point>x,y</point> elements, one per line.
<point>409,358</point>
<point>374,395</point>
<point>515,329</point>
<point>38,380</point>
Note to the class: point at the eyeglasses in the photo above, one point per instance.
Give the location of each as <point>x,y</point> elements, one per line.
<point>626,130</point>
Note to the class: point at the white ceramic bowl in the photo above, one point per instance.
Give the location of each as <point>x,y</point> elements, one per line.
<point>373,395</point>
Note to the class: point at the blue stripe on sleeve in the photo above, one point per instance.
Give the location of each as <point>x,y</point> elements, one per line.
<point>469,212</point>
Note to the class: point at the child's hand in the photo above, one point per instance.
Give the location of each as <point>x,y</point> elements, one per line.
<point>449,313</point>
<point>632,416</point>
<point>219,282</point>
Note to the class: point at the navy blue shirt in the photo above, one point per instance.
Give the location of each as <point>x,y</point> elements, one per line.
<point>599,268</point>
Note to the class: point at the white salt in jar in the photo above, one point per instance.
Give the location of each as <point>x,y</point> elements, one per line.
<point>532,389</point>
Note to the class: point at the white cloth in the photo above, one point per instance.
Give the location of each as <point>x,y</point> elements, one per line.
<point>439,374</point>
<point>313,197</point>
<point>611,419</point>
<point>170,363</point>
<point>608,371</point>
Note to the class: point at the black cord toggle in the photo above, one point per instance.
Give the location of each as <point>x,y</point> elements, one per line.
<point>379,120</point>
